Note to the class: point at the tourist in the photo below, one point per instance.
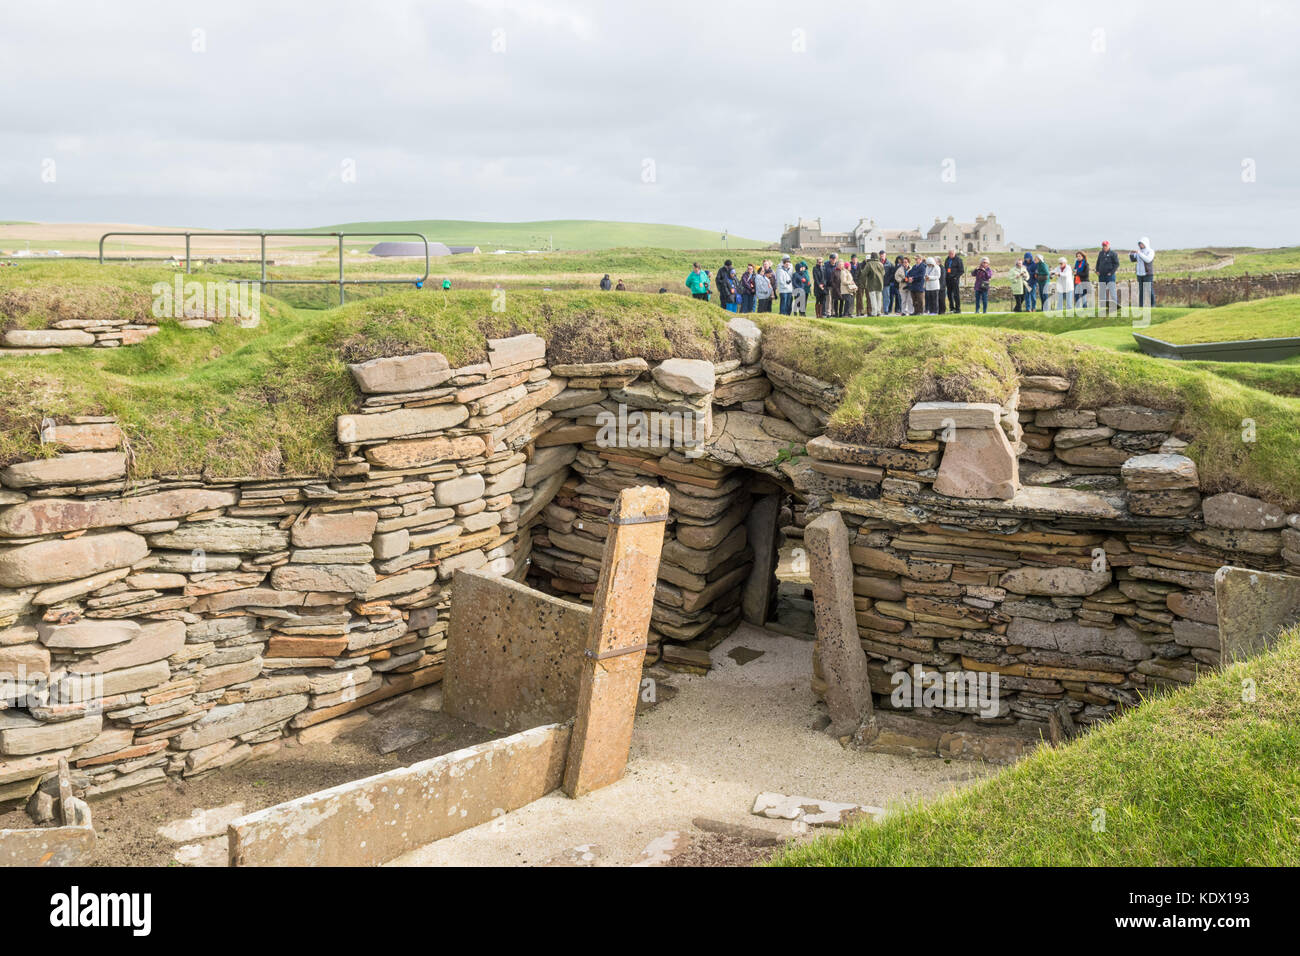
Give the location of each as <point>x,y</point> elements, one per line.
<point>697,283</point>
<point>848,290</point>
<point>1107,266</point>
<point>860,295</point>
<point>1081,283</point>
<point>1064,283</point>
<point>983,276</point>
<point>725,280</point>
<point>446,285</point>
<point>605,284</point>
<point>902,293</point>
<point>747,288</point>
<point>1144,258</point>
<point>895,296</point>
<point>953,269</point>
<point>620,287</point>
<point>916,277</point>
<point>819,287</point>
<point>1019,284</point>
<point>933,282</point>
<point>833,274</point>
<point>873,281</point>
<point>763,291</point>
<point>1031,284</point>
<point>802,288</point>
<point>704,281</point>
<point>785,285</point>
<point>1040,277</point>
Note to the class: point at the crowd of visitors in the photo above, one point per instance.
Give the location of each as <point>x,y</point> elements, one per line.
<point>873,285</point>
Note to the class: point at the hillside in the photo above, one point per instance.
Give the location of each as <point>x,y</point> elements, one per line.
<point>565,233</point>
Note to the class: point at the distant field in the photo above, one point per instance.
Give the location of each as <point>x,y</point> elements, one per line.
<point>567,234</point>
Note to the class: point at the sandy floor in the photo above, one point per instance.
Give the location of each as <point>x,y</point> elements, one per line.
<point>705,750</point>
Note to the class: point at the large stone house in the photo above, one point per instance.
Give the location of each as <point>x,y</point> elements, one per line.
<point>985,234</point>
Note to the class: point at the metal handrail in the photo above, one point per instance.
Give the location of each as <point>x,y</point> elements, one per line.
<point>340,281</point>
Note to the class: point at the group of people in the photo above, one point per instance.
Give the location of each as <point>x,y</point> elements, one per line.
<point>872,285</point>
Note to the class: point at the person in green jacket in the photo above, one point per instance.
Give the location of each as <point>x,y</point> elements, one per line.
<point>697,283</point>
<point>1039,279</point>
<point>873,278</point>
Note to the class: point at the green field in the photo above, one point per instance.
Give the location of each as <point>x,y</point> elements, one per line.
<point>558,234</point>
<point>1203,776</point>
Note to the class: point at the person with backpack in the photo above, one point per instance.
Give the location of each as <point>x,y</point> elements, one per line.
<point>983,277</point>
<point>748,290</point>
<point>953,269</point>
<point>726,284</point>
<point>1107,266</point>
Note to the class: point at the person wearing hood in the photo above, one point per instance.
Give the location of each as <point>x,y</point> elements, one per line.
<point>1107,266</point>
<point>933,282</point>
<point>1144,260</point>
<point>763,291</point>
<point>1063,277</point>
<point>697,282</point>
<point>1030,285</point>
<point>747,289</point>
<point>605,284</point>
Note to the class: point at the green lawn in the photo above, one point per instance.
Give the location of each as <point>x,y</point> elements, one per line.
<point>1273,318</point>
<point>1196,777</point>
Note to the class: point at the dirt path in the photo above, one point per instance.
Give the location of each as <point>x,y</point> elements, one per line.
<point>705,750</point>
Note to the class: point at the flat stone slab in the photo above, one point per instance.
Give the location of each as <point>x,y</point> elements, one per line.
<point>937,416</point>
<point>813,812</point>
<point>202,824</point>
<point>50,846</point>
<point>1254,606</point>
<point>371,821</point>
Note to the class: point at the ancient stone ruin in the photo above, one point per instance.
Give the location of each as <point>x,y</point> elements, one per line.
<point>173,627</point>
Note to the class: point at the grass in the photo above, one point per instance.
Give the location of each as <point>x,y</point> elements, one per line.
<point>1196,777</point>
<point>237,401</point>
<point>1274,318</point>
<point>35,294</point>
<point>564,233</point>
<point>228,401</point>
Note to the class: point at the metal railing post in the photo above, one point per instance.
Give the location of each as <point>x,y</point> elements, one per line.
<point>187,253</point>
<point>263,285</point>
<point>340,268</point>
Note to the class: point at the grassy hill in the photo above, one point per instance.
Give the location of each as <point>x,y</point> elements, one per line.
<point>565,233</point>
<point>1198,777</point>
<point>1262,319</point>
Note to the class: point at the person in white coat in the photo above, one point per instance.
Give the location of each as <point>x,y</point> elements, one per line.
<point>1064,281</point>
<point>933,278</point>
<point>1144,263</point>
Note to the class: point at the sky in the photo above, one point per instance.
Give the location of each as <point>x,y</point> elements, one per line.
<point>1072,122</point>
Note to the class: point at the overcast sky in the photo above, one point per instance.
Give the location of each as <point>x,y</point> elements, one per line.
<point>1072,121</point>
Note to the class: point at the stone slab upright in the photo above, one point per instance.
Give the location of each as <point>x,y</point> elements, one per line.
<point>1254,607</point>
<point>610,677</point>
<point>844,663</point>
<point>761,529</point>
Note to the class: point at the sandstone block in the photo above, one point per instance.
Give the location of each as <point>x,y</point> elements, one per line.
<point>325,530</point>
<point>685,376</point>
<point>399,423</point>
<point>71,469</point>
<point>402,373</point>
<point>979,463</point>
<point>51,562</point>
<point>1077,582</point>
<point>1231,510</point>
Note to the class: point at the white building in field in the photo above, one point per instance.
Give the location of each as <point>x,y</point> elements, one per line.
<point>985,234</point>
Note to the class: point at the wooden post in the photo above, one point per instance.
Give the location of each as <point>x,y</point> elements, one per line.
<point>620,622</point>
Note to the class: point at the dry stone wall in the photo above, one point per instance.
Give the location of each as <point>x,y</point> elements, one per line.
<point>172,627</point>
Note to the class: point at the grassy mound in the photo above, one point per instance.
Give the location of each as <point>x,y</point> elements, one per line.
<point>885,370</point>
<point>36,294</point>
<point>1198,777</point>
<point>1276,318</point>
<point>228,401</point>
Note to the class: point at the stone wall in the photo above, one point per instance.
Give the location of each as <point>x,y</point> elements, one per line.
<point>77,333</point>
<point>176,626</point>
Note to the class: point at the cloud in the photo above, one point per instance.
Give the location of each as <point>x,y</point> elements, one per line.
<point>1069,122</point>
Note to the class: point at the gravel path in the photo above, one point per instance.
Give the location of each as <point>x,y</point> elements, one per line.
<point>705,749</point>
